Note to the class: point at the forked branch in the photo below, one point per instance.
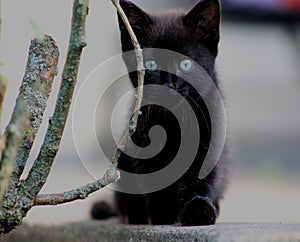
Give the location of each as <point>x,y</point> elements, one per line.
<point>41,168</point>
<point>35,90</point>
<point>112,175</point>
<point>32,98</point>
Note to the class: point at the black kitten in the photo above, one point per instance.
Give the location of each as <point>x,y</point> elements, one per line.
<point>189,200</point>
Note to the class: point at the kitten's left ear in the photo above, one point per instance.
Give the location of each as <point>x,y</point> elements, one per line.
<point>205,14</point>
<point>138,19</point>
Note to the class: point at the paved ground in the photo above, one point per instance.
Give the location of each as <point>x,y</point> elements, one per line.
<point>110,231</point>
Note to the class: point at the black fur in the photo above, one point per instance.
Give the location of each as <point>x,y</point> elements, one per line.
<point>189,200</point>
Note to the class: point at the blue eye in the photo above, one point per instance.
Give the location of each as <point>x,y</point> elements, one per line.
<point>185,65</point>
<point>151,65</point>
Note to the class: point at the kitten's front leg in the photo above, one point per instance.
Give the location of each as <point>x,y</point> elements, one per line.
<point>132,208</point>
<point>195,205</point>
<point>162,206</point>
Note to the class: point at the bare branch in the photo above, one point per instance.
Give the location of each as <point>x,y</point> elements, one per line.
<point>13,136</point>
<point>140,88</point>
<point>42,165</point>
<point>35,90</point>
<point>111,175</point>
<point>19,201</point>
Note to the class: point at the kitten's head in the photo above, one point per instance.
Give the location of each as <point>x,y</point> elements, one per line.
<point>194,34</point>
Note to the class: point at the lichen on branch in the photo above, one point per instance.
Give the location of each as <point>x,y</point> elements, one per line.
<point>36,87</point>
<point>42,165</point>
<point>13,136</point>
<point>24,194</point>
<point>32,98</point>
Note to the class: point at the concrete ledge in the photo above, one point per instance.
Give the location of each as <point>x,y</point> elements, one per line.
<point>112,231</point>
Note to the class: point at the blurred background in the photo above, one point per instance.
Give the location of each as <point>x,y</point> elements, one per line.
<point>258,65</point>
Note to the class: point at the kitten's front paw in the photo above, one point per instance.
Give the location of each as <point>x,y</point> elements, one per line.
<point>198,211</point>
<point>102,210</point>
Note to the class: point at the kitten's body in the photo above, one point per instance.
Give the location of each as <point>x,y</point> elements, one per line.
<point>189,200</point>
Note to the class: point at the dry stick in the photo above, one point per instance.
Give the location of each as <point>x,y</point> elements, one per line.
<point>13,136</point>
<point>15,204</point>
<point>42,165</point>
<point>111,175</point>
<point>36,87</point>
<point>34,92</point>
<point>140,88</point>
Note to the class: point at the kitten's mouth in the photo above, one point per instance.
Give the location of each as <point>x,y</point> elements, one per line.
<point>182,91</point>
<point>178,102</point>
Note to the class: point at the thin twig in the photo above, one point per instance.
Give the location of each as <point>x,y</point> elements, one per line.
<point>42,165</point>
<point>111,175</point>
<point>35,90</point>
<point>141,75</point>
<point>13,136</point>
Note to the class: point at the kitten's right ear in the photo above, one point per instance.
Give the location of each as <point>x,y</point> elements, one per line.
<point>206,15</point>
<point>138,19</point>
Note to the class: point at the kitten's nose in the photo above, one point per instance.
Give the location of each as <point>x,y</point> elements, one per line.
<point>170,80</point>
<point>171,85</point>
